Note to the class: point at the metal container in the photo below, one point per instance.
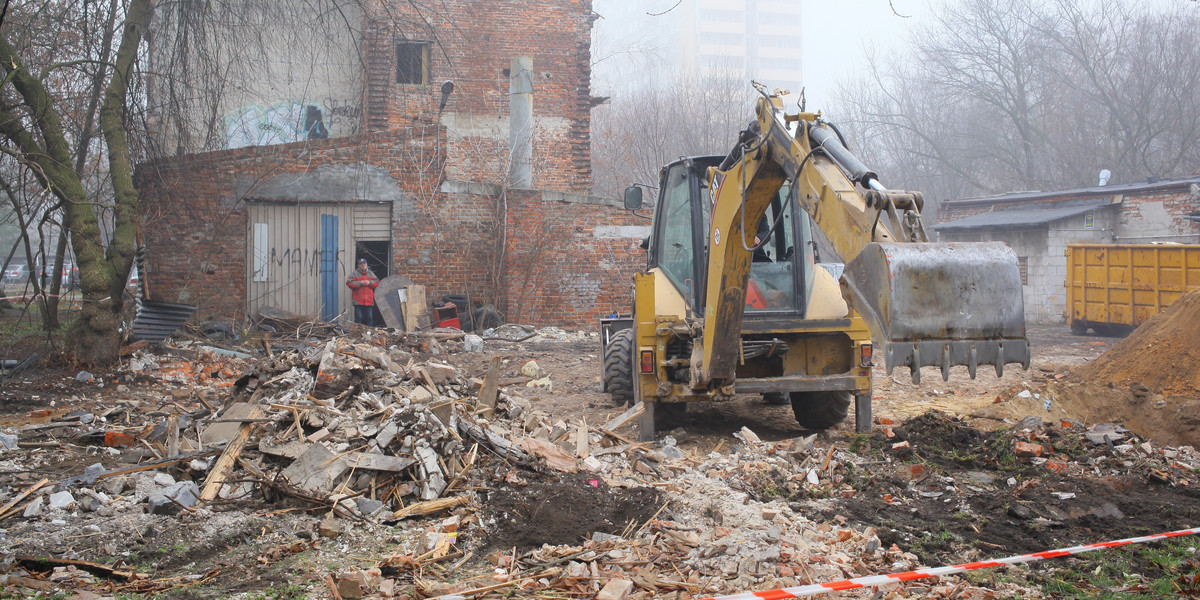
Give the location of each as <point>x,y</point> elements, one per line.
<point>1112,288</point>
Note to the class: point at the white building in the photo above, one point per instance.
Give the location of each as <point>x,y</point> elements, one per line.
<point>642,42</point>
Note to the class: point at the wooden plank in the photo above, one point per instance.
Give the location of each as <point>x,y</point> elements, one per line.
<point>172,436</point>
<point>430,506</point>
<point>491,384</point>
<point>38,563</point>
<point>554,456</point>
<point>624,418</point>
<point>418,308</point>
<point>23,495</point>
<point>225,462</point>
<point>581,440</point>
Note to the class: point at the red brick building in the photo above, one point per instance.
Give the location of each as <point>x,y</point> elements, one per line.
<point>476,186</point>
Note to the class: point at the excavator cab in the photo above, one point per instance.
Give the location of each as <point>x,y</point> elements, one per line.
<point>783,256</point>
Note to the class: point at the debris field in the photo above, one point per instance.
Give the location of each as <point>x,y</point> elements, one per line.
<point>372,464</point>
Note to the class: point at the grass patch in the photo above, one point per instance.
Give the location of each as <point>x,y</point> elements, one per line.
<point>1168,569</point>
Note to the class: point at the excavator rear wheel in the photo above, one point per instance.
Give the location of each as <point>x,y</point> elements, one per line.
<point>618,367</point>
<point>820,410</point>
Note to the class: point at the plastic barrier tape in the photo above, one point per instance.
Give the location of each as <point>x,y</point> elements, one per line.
<point>805,591</point>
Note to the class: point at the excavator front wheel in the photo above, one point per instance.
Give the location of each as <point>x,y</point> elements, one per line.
<point>820,410</point>
<point>618,367</point>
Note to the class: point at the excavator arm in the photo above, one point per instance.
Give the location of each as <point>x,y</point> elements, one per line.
<point>926,303</point>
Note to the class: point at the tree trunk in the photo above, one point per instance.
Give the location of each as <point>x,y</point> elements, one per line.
<point>95,335</point>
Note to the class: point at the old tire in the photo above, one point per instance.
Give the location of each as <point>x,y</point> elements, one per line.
<point>820,410</point>
<point>618,367</point>
<point>1079,327</point>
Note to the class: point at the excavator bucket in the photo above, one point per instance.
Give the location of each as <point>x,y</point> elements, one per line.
<point>941,304</point>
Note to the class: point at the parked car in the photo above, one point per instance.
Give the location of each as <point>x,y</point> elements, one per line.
<point>69,278</point>
<point>16,273</point>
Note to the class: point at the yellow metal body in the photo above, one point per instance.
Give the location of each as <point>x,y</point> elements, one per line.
<point>907,292</point>
<point>1126,284</point>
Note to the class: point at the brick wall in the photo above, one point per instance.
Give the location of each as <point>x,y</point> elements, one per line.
<point>1159,216</point>
<point>473,46</point>
<point>546,258</point>
<point>568,257</point>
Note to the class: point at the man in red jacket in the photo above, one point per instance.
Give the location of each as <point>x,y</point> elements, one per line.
<point>362,283</point>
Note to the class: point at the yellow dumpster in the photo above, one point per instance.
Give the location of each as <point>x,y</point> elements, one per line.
<point>1112,288</point>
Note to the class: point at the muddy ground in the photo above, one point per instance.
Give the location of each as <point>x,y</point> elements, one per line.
<point>942,479</point>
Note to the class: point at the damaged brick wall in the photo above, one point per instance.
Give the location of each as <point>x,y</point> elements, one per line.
<point>472,45</point>
<point>557,259</point>
<point>1160,214</point>
<point>568,257</point>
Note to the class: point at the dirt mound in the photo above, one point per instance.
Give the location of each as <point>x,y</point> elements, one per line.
<point>1150,381</point>
<point>564,511</point>
<point>1162,355</point>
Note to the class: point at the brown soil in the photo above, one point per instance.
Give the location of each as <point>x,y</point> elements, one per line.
<point>1149,382</point>
<point>966,497</point>
<point>566,511</point>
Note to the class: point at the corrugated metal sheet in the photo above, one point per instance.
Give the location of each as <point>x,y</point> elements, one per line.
<point>1026,215</point>
<point>373,222</point>
<point>284,252</point>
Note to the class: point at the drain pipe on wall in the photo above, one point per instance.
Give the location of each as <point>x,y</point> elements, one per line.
<point>520,122</point>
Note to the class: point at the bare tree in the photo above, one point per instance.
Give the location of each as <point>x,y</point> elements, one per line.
<point>642,129</point>
<point>1002,95</point>
<point>38,103</point>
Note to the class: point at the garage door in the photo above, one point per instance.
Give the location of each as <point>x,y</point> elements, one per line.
<point>298,256</point>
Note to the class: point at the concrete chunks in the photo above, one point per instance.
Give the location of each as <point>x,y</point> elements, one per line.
<point>317,470</point>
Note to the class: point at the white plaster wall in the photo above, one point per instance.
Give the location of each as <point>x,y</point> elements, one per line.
<point>270,75</point>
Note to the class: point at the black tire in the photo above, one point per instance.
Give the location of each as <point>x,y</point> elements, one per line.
<point>618,367</point>
<point>820,410</point>
<point>487,318</point>
<point>1079,327</point>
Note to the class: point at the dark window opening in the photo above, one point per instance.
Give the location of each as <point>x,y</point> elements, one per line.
<point>412,62</point>
<point>314,124</point>
<point>378,257</point>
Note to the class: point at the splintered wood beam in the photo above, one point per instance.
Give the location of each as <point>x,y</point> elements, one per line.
<point>221,468</point>
<point>491,384</point>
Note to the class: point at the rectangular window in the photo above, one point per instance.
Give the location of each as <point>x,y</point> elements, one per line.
<point>261,251</point>
<point>412,62</point>
<point>1023,265</point>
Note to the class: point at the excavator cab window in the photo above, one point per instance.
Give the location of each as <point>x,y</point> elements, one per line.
<point>675,242</point>
<point>773,283</point>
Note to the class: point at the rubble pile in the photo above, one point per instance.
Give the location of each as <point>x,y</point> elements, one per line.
<point>381,465</point>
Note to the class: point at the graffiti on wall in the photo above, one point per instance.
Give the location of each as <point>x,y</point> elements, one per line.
<point>343,116</point>
<point>289,264</point>
<point>292,121</point>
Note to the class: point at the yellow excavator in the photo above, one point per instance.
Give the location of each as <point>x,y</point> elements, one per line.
<point>770,269</point>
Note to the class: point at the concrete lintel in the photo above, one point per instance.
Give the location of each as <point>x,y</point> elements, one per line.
<point>326,183</point>
<point>621,231</point>
<point>572,198</point>
<point>478,188</point>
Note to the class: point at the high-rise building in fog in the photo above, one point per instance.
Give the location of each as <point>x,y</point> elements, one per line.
<point>657,40</point>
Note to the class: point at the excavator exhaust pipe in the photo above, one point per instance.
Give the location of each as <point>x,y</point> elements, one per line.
<point>941,304</point>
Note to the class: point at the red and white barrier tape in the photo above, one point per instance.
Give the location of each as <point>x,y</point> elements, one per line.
<point>805,591</point>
